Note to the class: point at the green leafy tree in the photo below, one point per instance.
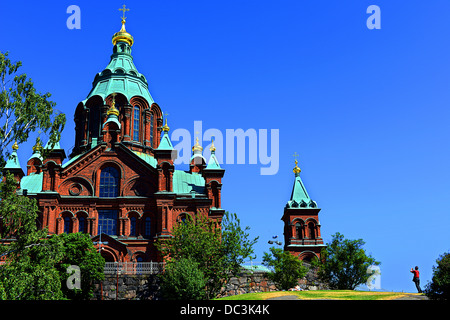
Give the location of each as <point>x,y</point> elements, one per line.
<point>35,265</point>
<point>439,287</point>
<point>219,251</point>
<point>28,272</point>
<point>23,110</point>
<point>78,250</point>
<point>287,268</point>
<point>183,280</point>
<point>344,263</point>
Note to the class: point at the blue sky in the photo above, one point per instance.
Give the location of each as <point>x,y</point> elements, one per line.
<point>366,110</point>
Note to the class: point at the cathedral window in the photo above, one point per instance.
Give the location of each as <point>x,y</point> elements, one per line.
<point>67,224</point>
<point>299,230</point>
<point>136,123</point>
<point>151,129</point>
<point>82,224</point>
<point>147,227</point>
<point>312,230</point>
<point>107,222</point>
<point>133,226</point>
<point>109,183</point>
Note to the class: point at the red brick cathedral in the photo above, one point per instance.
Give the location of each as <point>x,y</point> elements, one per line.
<point>301,222</point>
<point>119,182</point>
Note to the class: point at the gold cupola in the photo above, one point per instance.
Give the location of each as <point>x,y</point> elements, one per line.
<point>296,170</point>
<point>123,35</point>
<point>197,147</point>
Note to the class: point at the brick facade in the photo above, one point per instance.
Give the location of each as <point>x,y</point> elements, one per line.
<point>120,176</point>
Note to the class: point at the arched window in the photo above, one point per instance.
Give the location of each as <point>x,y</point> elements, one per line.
<point>147,227</point>
<point>136,123</point>
<point>151,129</point>
<point>299,230</point>
<point>133,226</point>
<point>67,224</point>
<point>312,230</point>
<point>81,224</point>
<point>109,183</point>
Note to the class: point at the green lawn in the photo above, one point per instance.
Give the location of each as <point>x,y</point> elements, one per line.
<point>321,294</point>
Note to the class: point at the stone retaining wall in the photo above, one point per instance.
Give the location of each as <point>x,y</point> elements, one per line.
<point>146,287</point>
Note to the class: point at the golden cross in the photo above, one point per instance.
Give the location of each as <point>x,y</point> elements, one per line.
<point>124,9</point>
<point>295,155</point>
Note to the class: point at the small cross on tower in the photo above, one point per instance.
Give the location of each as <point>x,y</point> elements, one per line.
<point>123,9</point>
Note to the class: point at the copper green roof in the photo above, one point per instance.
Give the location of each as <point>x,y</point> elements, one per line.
<point>185,182</point>
<point>121,76</point>
<point>165,143</point>
<point>299,196</point>
<point>13,161</point>
<point>147,158</point>
<point>213,163</point>
<point>32,183</point>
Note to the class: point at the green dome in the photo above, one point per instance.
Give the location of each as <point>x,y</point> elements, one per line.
<point>121,76</point>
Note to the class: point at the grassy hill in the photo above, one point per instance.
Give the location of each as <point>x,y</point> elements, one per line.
<point>322,294</point>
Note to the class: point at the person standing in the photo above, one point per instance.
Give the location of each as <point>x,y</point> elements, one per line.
<point>416,278</point>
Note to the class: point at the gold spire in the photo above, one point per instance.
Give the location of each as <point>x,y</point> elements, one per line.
<point>197,146</point>
<point>212,148</point>
<point>37,147</point>
<point>15,146</point>
<point>296,170</point>
<point>113,110</point>
<point>123,35</point>
<point>165,128</point>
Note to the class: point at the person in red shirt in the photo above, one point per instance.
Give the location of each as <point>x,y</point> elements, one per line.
<point>416,278</point>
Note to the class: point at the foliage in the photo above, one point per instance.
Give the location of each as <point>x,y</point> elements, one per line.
<point>28,271</point>
<point>78,249</point>
<point>287,268</point>
<point>183,280</point>
<point>219,251</point>
<point>439,287</point>
<point>344,263</point>
<point>23,110</point>
<point>35,265</point>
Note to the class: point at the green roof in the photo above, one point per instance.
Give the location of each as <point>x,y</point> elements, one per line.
<point>299,197</point>
<point>64,165</point>
<point>185,182</point>
<point>13,161</point>
<point>256,268</point>
<point>213,163</point>
<point>121,75</point>
<point>165,143</point>
<point>147,158</point>
<point>33,182</point>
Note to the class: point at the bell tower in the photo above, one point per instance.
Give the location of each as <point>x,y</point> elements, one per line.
<point>301,222</point>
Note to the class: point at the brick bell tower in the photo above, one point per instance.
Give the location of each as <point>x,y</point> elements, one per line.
<point>301,222</point>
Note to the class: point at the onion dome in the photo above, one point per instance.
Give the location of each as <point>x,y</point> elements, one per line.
<point>122,35</point>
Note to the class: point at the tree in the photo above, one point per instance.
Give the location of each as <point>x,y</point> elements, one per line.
<point>183,280</point>
<point>28,272</point>
<point>344,263</point>
<point>23,110</point>
<point>78,250</point>
<point>287,268</point>
<point>218,250</point>
<point>35,265</point>
<point>439,287</point>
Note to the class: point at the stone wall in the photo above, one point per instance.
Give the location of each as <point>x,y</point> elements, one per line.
<point>129,287</point>
<point>146,287</point>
